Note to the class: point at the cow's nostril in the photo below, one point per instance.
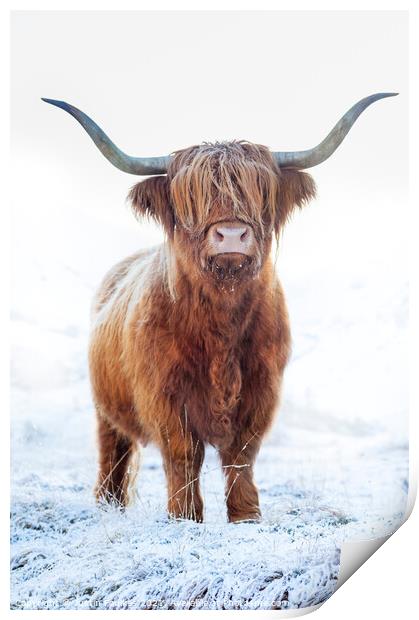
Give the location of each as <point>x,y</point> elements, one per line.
<point>228,237</point>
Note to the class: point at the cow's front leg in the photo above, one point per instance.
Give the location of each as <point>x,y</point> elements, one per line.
<point>241,494</point>
<point>183,455</point>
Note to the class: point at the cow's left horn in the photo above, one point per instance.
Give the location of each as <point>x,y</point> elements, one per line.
<point>133,165</point>
<point>318,154</point>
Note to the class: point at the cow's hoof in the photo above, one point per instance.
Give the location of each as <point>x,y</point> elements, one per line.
<point>252,518</point>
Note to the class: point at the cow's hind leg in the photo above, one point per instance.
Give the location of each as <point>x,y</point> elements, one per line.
<point>118,464</point>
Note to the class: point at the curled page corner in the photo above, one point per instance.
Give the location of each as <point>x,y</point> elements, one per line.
<point>294,612</point>
<point>354,554</point>
<point>413,489</point>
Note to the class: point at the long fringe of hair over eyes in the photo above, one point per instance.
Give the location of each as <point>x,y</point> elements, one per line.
<point>235,175</point>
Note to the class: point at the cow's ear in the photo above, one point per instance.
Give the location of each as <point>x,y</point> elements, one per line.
<point>151,198</point>
<point>296,189</point>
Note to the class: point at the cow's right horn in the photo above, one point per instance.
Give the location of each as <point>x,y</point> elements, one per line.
<point>126,163</point>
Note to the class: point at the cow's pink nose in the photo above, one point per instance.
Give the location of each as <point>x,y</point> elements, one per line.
<point>227,237</point>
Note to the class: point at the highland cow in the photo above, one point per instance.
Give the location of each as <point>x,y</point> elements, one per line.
<point>190,339</point>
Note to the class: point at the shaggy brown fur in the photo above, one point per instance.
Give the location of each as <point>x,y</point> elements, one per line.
<point>183,353</point>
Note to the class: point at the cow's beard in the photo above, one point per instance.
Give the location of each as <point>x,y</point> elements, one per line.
<point>229,271</point>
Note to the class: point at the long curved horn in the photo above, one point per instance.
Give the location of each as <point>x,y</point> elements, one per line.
<point>133,165</point>
<point>318,154</point>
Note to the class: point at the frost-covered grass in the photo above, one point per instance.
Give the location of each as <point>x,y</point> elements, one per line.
<point>334,467</point>
<point>316,488</point>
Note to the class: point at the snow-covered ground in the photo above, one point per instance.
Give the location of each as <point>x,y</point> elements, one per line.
<point>334,468</point>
